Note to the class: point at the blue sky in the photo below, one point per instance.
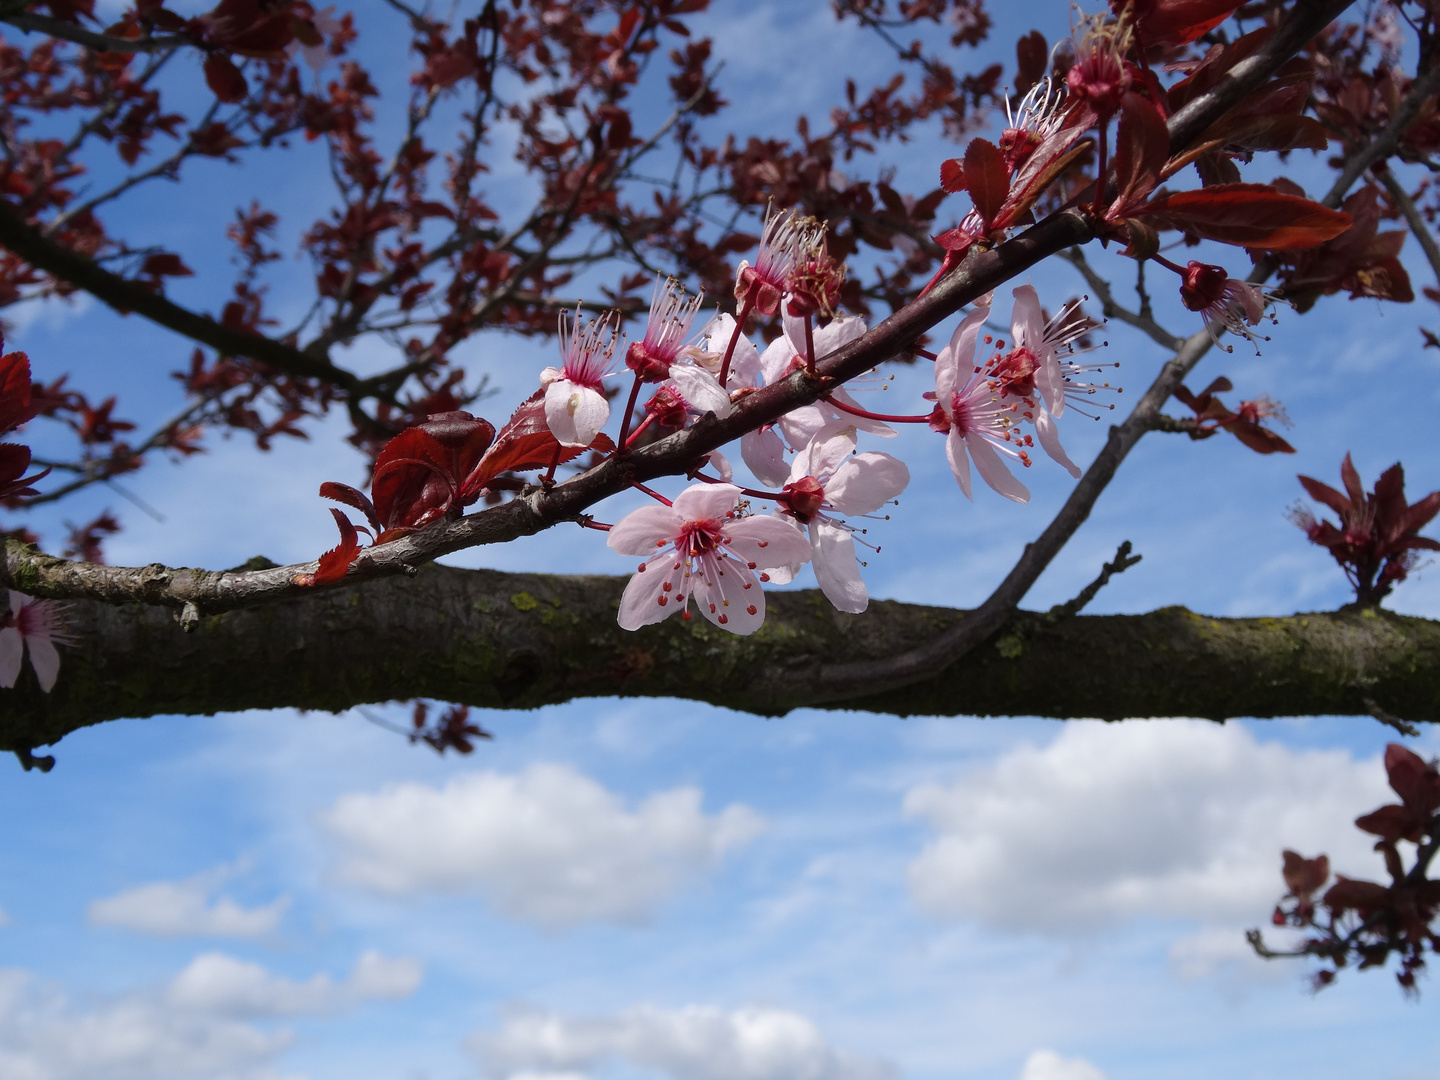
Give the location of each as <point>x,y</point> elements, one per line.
<point>618,889</point>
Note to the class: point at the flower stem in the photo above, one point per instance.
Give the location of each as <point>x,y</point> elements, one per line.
<point>744,313</point>
<point>853,411</point>
<point>629,413</point>
<point>652,493</point>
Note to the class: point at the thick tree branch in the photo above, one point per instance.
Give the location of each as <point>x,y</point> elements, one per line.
<point>523,640</point>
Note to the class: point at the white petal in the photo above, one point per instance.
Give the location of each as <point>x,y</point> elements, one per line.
<point>11,651</point>
<point>646,599</point>
<point>1027,321</point>
<point>721,464</point>
<point>699,388</point>
<point>728,594</point>
<point>960,352</point>
<point>836,335</point>
<point>959,458</point>
<point>800,425</point>
<point>775,360</point>
<point>768,542</point>
<point>828,451</point>
<point>45,660</point>
<point>642,531</point>
<point>866,482</point>
<point>836,568</point>
<point>993,471</point>
<point>706,502</point>
<point>1049,435</point>
<point>575,413</point>
<point>764,454</point>
<point>1051,382</point>
<point>17,601</point>
<point>783,575</point>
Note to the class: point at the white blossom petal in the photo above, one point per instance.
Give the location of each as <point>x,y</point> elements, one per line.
<point>699,388</point>
<point>1048,433</point>
<point>728,594</point>
<point>959,458</point>
<point>993,471</point>
<point>960,351</point>
<point>575,413</point>
<point>1027,320</point>
<point>768,542</point>
<point>642,531</point>
<point>721,465</point>
<point>646,599</point>
<point>764,455</point>
<point>706,502</point>
<point>866,482</point>
<point>836,568</point>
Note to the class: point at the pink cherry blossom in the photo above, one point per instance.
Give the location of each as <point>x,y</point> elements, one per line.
<point>978,424</point>
<point>575,408</point>
<point>700,546</point>
<point>828,479</point>
<point>666,331</point>
<point>1225,303</point>
<point>32,624</point>
<point>786,238</point>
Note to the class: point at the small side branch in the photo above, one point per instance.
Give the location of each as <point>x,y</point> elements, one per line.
<point>1123,561</point>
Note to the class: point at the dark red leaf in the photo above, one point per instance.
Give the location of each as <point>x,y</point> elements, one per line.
<point>15,407</point>
<point>1250,215</point>
<point>335,563</point>
<point>224,78</point>
<point>986,178</point>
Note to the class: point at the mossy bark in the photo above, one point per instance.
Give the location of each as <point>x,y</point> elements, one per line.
<point>523,640</point>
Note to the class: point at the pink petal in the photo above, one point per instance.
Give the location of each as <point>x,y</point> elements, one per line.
<point>775,360</point>
<point>836,568</point>
<point>960,352</point>
<point>643,531</point>
<point>706,502</point>
<point>866,482</point>
<point>1051,382</point>
<point>575,413</point>
<point>768,542</point>
<point>728,594</point>
<point>1027,321</point>
<point>1049,435</point>
<point>699,388</point>
<point>826,452</point>
<point>11,651</point>
<point>721,464</point>
<point>993,471</point>
<point>646,600</point>
<point>874,427</point>
<point>45,660</point>
<point>764,454</point>
<point>959,458</point>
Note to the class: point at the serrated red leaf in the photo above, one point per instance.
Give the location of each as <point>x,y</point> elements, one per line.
<point>986,178</point>
<point>351,497</point>
<point>1248,215</point>
<point>952,175</point>
<point>15,407</point>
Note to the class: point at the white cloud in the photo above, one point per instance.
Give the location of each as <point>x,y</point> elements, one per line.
<point>692,1043</point>
<point>222,985</point>
<point>199,1027</point>
<point>1161,818</point>
<point>184,908</point>
<point>1048,1065</point>
<point>548,846</point>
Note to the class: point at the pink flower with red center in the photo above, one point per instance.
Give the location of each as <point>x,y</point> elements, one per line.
<point>1225,303</point>
<point>827,480</point>
<point>787,239</point>
<point>666,331</point>
<point>977,422</point>
<point>575,407</point>
<point>700,546</point>
<point>34,625</point>
<point>1100,75</point>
